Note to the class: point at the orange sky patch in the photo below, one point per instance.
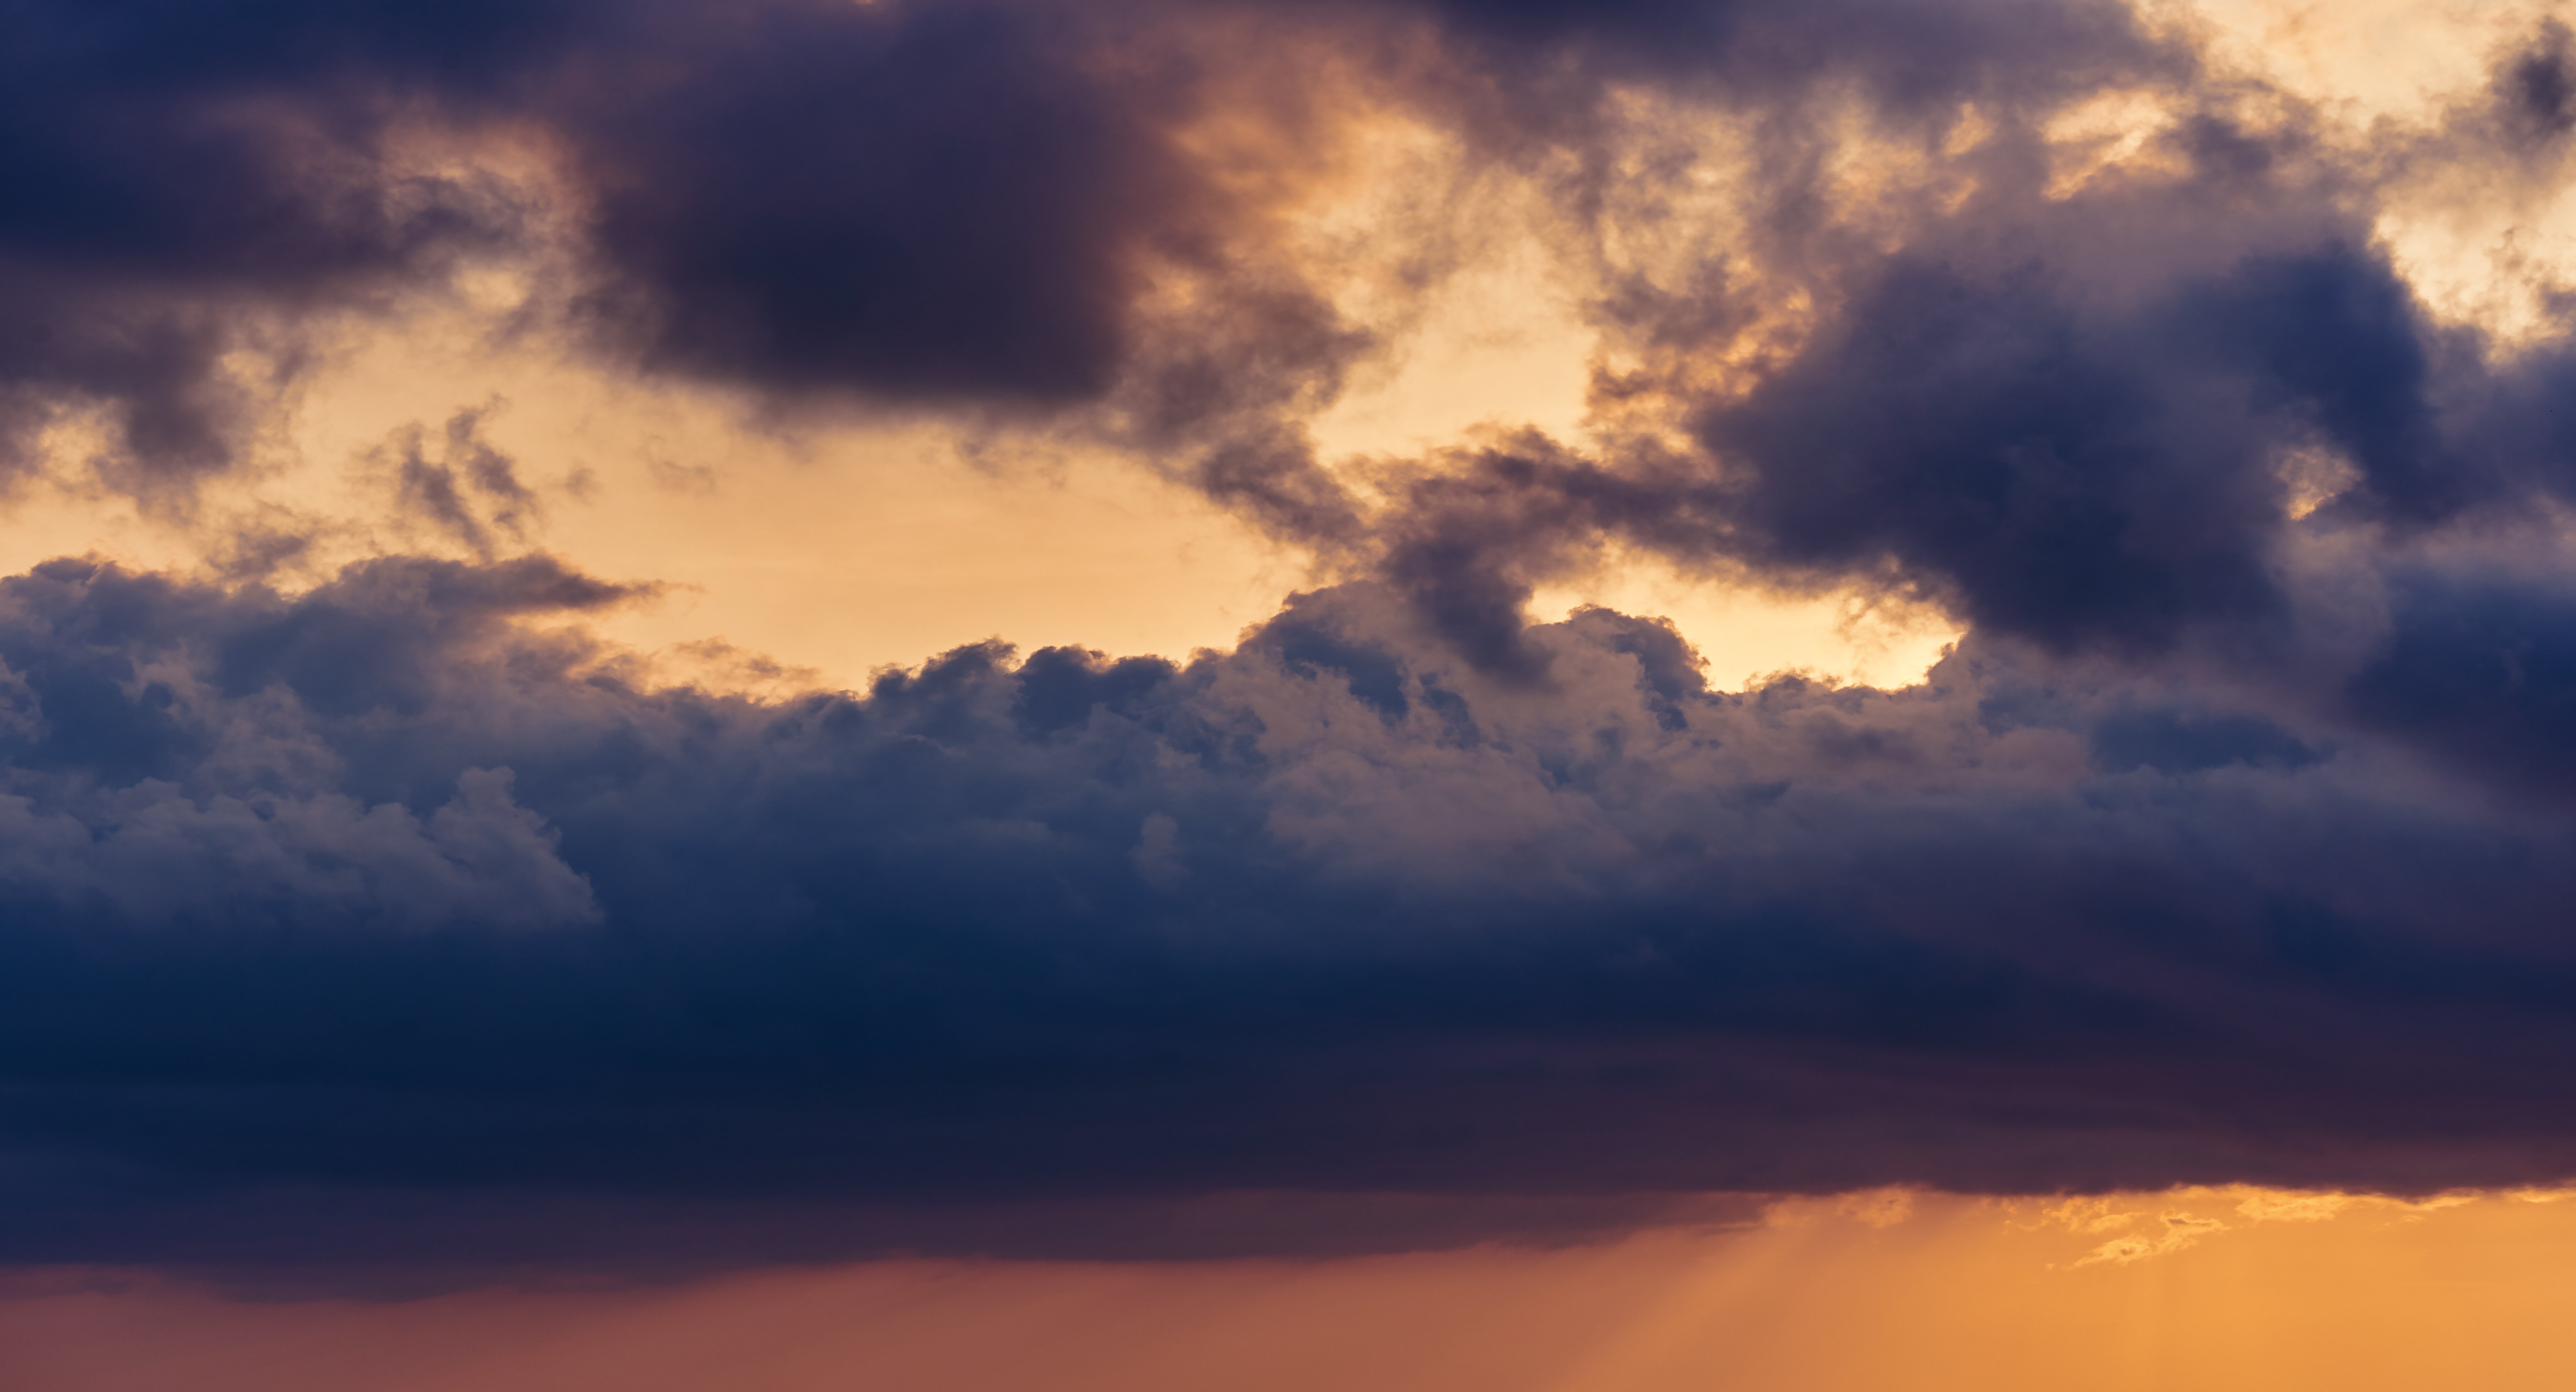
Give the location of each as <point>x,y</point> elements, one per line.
<point>2279,1292</point>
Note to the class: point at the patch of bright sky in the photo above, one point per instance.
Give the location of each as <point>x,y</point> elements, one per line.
<point>842,550</point>
<point>837,551</point>
<point>2482,243</point>
<point>2271,1292</point>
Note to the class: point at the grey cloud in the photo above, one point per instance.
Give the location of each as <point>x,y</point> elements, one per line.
<point>2229,844</point>
<point>1341,912</point>
<point>150,855</point>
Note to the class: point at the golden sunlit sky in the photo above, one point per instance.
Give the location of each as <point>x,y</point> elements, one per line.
<point>2218,1289</point>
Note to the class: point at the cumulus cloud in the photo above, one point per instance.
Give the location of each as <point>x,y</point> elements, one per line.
<point>2228,845</point>
<point>1007,206</point>
<point>1341,911</point>
<point>149,855</point>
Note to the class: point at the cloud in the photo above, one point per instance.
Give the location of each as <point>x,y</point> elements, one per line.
<point>1339,911</point>
<point>147,855</point>
<point>2177,1231</point>
<point>2229,845</point>
<point>193,185</point>
<point>820,202</point>
<point>913,201</point>
<point>1008,207</point>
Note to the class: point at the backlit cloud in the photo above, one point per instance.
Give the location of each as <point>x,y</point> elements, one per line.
<point>348,866</point>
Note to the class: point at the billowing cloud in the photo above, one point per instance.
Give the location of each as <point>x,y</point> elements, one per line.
<point>988,205</point>
<point>948,203</point>
<point>369,890</point>
<point>2229,844</point>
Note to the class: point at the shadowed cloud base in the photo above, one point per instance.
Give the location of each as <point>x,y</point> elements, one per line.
<point>362,907</point>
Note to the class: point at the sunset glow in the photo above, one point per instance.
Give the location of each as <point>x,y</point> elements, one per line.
<point>1483,695</point>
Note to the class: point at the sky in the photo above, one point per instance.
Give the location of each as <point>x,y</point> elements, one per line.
<point>1345,693</point>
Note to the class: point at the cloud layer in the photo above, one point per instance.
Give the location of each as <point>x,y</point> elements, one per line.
<point>2230,845</point>
<point>367,888</point>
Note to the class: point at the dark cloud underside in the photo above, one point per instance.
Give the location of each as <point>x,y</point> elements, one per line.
<point>2232,843</point>
<point>363,889</point>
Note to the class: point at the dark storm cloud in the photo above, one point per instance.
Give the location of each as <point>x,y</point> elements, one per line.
<point>2071,477</point>
<point>2230,845</point>
<point>936,202</point>
<point>375,897</point>
<point>184,178</point>
<point>2483,670</point>
<point>2089,414</point>
<point>2085,475</point>
<point>822,202</point>
<point>942,202</point>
